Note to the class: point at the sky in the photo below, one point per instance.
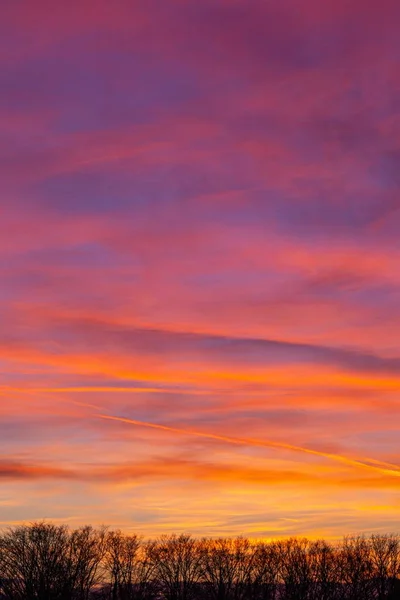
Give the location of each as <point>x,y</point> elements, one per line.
<point>200,265</point>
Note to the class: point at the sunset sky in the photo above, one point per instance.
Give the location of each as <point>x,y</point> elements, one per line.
<point>200,265</point>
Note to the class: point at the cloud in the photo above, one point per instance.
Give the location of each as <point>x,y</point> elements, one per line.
<point>194,347</point>
<point>199,200</point>
<point>173,469</point>
<point>14,470</point>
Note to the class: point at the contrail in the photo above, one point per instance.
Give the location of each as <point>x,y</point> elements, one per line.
<point>191,391</point>
<point>364,462</point>
<point>103,389</point>
<point>373,465</point>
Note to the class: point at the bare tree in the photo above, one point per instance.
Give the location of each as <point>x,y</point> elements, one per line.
<point>385,559</point>
<point>325,574</point>
<point>128,568</point>
<point>265,572</point>
<point>356,570</point>
<point>295,568</point>
<point>119,561</point>
<point>176,564</point>
<point>43,561</point>
<point>217,568</point>
<point>86,550</point>
<point>33,562</point>
<point>227,568</point>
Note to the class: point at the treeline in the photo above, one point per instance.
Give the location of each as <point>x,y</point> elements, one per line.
<point>44,561</point>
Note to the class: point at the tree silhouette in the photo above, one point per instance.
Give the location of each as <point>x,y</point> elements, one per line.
<point>44,561</point>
